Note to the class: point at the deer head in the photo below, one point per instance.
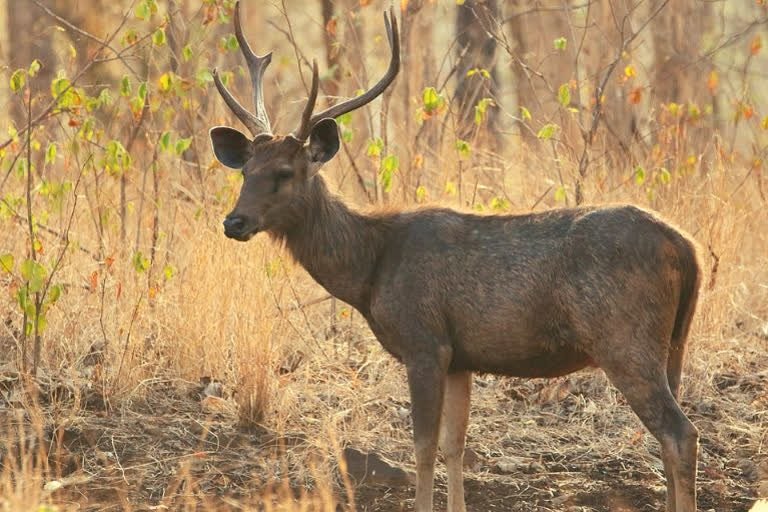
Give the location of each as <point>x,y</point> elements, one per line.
<point>278,168</point>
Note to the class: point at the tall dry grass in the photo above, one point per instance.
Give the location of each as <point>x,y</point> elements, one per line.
<point>122,343</point>
<point>232,312</point>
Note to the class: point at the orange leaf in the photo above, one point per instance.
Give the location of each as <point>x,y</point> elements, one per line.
<point>748,112</point>
<point>635,95</point>
<point>403,5</point>
<point>109,261</point>
<point>712,82</point>
<point>365,3</point>
<point>93,281</point>
<point>73,122</point>
<point>330,27</point>
<point>210,15</point>
<point>757,43</point>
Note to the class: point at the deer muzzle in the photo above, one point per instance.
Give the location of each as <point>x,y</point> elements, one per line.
<point>239,228</point>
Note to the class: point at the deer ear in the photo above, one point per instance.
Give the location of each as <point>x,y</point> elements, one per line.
<point>230,146</point>
<point>323,141</point>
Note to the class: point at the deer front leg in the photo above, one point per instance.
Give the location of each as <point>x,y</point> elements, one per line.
<point>426,380</point>
<point>453,432</point>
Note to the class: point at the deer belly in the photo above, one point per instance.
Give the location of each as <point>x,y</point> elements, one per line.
<point>531,363</point>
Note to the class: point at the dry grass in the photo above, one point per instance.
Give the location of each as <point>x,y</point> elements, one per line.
<point>120,415</point>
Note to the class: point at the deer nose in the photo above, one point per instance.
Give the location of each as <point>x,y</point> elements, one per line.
<point>233,224</point>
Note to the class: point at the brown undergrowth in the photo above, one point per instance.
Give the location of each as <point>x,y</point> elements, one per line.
<point>234,383</point>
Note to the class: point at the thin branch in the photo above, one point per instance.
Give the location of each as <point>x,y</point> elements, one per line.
<point>87,35</point>
<point>589,135</point>
<point>545,9</point>
<point>47,111</point>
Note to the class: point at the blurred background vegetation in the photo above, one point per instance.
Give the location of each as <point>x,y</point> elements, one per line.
<point>124,299</point>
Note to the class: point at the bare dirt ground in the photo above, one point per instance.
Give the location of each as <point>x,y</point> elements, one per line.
<point>569,444</point>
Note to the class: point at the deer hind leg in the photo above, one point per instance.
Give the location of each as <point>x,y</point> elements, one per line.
<point>674,372</point>
<point>426,380</point>
<point>644,383</point>
<point>453,432</point>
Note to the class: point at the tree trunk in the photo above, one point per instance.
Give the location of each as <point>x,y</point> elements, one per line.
<point>28,40</point>
<point>475,50</point>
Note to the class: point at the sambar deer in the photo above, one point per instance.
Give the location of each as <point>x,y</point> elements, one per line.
<point>450,293</point>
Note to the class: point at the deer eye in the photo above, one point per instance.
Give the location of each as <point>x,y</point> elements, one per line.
<point>281,177</point>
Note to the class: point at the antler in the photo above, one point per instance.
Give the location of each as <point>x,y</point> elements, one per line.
<point>308,120</point>
<point>257,122</point>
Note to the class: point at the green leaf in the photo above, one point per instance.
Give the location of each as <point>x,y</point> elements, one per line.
<point>479,71</point>
<point>158,37</point>
<point>664,176</point>
<point>59,85</point>
<point>6,263</point>
<point>50,153</point>
<point>547,131</point>
<point>165,82</point>
<point>182,145</point>
<point>421,193</point>
<point>143,91</point>
<point>22,298</point>
<point>142,11</point>
<point>117,158</point>
<point>463,148</point>
<point>375,146</point>
<point>390,163</point>
<point>18,79</point>
<point>481,108</point>
<point>165,141</point>
<point>205,76</point>
<point>560,43</point>
<point>560,194</point>
<point>34,68</point>
<point>35,274</point>
<point>231,43</point>
<point>431,99</point>
<point>105,97</point>
<point>140,262</point>
<point>389,166</point>
<point>186,53</point>
<point>168,272</point>
<point>129,37</point>
<point>499,204</point>
<point>639,175</point>
<point>564,95</point>
<point>125,86</point>
<point>344,119</point>
<point>525,113</point>
<point>54,292</point>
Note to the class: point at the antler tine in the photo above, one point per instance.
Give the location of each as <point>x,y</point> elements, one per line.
<point>259,122</point>
<point>256,66</point>
<point>304,128</point>
<point>394,67</point>
<point>248,119</point>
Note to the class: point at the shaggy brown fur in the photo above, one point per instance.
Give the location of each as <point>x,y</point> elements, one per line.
<point>537,295</point>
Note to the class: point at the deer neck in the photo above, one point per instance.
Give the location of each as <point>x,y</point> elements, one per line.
<point>336,245</point>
